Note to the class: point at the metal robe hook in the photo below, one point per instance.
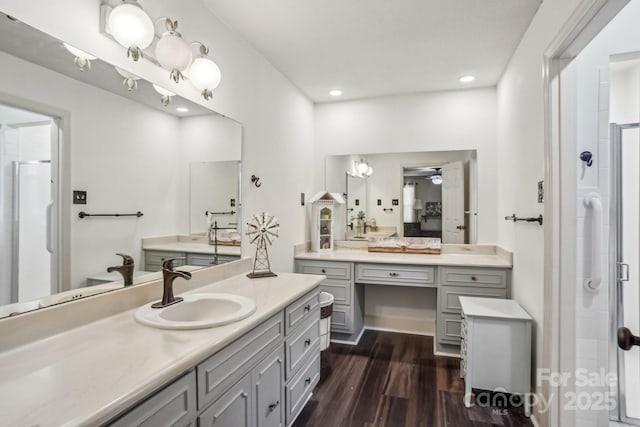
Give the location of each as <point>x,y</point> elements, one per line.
<point>256,181</point>
<point>587,157</point>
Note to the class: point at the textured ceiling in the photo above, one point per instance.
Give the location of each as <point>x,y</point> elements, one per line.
<point>371,48</point>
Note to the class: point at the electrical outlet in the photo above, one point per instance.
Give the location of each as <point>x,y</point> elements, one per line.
<point>79,197</point>
<point>394,202</point>
<point>540,191</point>
<point>357,202</point>
<point>379,202</point>
<point>301,199</point>
<point>233,203</point>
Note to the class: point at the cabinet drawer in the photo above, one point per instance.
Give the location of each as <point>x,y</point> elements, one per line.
<point>449,301</point>
<point>207,260</point>
<point>220,371</point>
<point>340,289</point>
<point>300,346</point>
<point>390,274</point>
<point>173,406</point>
<point>300,387</point>
<point>480,277</point>
<point>158,257</point>
<point>342,319</point>
<point>331,269</point>
<point>449,329</point>
<point>302,309</point>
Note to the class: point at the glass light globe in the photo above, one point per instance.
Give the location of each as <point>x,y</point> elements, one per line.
<point>162,91</point>
<point>205,74</point>
<point>131,26</point>
<point>369,171</point>
<point>362,167</point>
<point>436,179</point>
<point>172,52</point>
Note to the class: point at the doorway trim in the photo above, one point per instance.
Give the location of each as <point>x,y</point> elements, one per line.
<point>62,155</point>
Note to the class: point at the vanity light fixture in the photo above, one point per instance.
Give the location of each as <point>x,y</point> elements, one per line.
<point>204,73</point>
<point>362,168</point>
<point>82,60</point>
<point>130,80</point>
<point>131,27</point>
<point>166,94</point>
<point>172,52</point>
<point>467,79</point>
<point>335,92</point>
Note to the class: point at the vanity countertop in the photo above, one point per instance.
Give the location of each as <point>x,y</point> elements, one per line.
<point>452,255</point>
<point>191,244</point>
<point>87,375</point>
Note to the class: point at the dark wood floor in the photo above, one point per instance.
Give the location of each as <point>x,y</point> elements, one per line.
<point>392,379</point>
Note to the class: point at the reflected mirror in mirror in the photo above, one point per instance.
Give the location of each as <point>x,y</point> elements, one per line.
<point>96,140</point>
<point>215,200</point>
<point>419,194</point>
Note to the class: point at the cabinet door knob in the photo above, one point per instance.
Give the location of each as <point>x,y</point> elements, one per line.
<point>273,406</point>
<point>307,342</point>
<point>307,380</point>
<point>323,270</point>
<point>307,307</point>
<point>394,274</point>
<point>473,278</point>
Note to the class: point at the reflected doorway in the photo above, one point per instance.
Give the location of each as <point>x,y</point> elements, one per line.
<point>28,147</point>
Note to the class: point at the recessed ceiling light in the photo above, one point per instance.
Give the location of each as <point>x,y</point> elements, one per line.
<point>467,79</point>
<point>182,109</point>
<point>335,92</point>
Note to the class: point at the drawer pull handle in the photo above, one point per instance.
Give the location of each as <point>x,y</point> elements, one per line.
<point>307,381</point>
<point>473,278</point>
<point>273,406</point>
<point>307,307</point>
<point>307,342</point>
<point>394,274</point>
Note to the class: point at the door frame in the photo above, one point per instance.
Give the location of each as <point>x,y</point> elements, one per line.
<point>616,357</point>
<point>61,160</point>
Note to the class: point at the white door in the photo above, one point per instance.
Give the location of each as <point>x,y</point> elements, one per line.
<point>453,226</point>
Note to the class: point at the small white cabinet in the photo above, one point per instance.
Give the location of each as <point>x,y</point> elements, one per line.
<point>495,347</point>
<point>322,220</point>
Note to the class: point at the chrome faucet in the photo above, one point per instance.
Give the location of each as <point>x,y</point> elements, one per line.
<point>169,275</point>
<point>126,269</point>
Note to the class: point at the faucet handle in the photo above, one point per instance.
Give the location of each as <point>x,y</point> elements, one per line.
<point>168,264</point>
<point>126,259</point>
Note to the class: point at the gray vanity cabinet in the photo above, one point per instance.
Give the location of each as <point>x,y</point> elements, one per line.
<point>262,379</point>
<point>455,282</point>
<point>153,259</point>
<point>347,319</point>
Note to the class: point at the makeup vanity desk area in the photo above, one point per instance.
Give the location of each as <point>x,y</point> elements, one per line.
<point>460,270</point>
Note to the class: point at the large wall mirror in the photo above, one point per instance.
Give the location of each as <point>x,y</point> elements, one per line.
<point>418,194</point>
<point>87,137</point>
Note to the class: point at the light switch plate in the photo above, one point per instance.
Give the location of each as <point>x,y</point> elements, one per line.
<point>79,197</point>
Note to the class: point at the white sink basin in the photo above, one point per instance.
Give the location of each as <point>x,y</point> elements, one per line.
<point>198,311</point>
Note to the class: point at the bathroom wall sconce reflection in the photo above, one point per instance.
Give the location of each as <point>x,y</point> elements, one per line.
<point>361,168</point>
<point>132,28</point>
<point>82,58</point>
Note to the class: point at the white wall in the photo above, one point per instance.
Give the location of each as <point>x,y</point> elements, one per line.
<point>277,119</point>
<point>438,121</point>
<point>520,156</point>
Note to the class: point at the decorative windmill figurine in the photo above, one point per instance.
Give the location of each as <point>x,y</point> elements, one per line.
<point>262,229</point>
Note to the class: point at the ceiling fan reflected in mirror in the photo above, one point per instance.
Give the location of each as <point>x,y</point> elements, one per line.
<point>436,178</point>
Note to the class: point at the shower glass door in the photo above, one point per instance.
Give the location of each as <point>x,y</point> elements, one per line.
<point>626,294</point>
